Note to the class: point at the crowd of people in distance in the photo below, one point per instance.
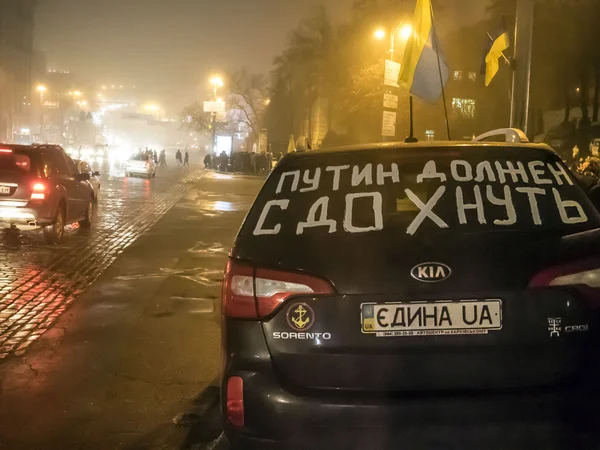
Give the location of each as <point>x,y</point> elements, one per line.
<point>243,162</point>
<point>182,162</point>
<point>182,159</point>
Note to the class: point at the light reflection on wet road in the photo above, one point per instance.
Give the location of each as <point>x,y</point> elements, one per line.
<point>38,281</point>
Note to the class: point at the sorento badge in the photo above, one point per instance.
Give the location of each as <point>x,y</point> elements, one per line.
<point>431,272</point>
<point>300,316</point>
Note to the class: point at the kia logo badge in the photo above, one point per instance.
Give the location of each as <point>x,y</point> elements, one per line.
<point>431,272</point>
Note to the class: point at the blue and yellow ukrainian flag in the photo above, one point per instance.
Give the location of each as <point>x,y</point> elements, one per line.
<point>420,70</point>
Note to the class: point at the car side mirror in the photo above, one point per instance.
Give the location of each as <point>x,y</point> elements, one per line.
<point>82,176</point>
<point>96,173</point>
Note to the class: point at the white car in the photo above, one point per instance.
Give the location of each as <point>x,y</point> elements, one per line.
<point>141,164</point>
<point>84,167</point>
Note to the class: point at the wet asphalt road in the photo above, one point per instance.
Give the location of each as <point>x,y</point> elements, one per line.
<point>38,281</point>
<point>133,362</point>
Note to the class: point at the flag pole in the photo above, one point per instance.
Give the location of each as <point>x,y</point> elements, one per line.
<point>411,137</point>
<point>440,71</point>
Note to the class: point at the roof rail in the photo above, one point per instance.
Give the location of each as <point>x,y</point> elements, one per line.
<point>513,135</point>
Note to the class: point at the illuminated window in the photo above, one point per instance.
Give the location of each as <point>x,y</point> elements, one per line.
<point>473,76</point>
<point>463,108</point>
<point>458,75</point>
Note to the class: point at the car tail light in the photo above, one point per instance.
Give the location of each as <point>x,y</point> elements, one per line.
<point>5,150</point>
<point>582,275</point>
<point>254,293</point>
<point>235,401</point>
<point>39,191</point>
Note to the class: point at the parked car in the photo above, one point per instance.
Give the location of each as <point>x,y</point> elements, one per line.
<point>141,164</point>
<point>84,167</point>
<point>376,289</point>
<point>40,187</point>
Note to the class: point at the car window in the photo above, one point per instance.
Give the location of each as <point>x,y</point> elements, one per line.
<point>16,160</point>
<point>417,194</point>
<point>72,168</point>
<point>55,163</point>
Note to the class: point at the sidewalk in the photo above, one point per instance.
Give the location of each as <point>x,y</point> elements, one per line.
<point>141,347</point>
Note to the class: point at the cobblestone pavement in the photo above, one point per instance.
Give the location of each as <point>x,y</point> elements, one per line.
<point>38,282</point>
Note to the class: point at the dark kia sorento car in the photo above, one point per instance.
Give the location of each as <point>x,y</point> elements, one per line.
<point>40,187</point>
<point>389,295</point>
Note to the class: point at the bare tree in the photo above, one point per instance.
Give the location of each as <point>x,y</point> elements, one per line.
<point>195,119</point>
<point>248,94</point>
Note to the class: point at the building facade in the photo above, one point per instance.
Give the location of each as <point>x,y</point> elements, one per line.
<point>16,59</point>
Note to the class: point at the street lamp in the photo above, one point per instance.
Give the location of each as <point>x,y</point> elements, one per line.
<point>405,31</point>
<point>42,90</point>
<point>379,34</point>
<point>217,82</point>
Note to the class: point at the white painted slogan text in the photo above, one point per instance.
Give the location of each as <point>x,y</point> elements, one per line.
<point>495,185</point>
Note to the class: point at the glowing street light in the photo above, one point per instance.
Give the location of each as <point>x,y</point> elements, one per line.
<point>406,31</point>
<point>217,82</point>
<point>267,102</point>
<point>77,94</point>
<point>42,90</point>
<point>151,107</point>
<point>379,34</point>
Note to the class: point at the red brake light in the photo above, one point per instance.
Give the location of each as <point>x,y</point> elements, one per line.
<point>39,191</point>
<point>235,401</point>
<point>243,284</point>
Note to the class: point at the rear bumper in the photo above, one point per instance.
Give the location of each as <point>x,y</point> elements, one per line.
<point>279,416</point>
<point>138,170</point>
<point>22,218</point>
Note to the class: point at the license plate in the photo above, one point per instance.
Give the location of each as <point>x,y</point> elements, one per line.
<point>431,318</point>
<point>4,189</point>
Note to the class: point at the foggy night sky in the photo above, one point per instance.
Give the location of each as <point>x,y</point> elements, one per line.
<point>170,47</point>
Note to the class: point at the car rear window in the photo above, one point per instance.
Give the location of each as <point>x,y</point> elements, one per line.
<point>15,160</point>
<point>140,158</point>
<point>415,194</point>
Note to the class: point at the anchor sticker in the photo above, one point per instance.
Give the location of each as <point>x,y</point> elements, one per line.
<point>300,316</point>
